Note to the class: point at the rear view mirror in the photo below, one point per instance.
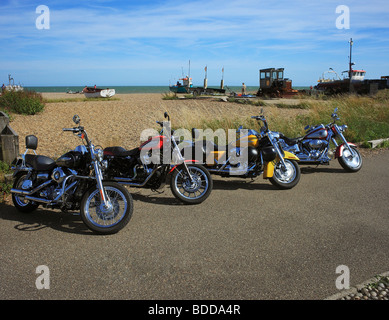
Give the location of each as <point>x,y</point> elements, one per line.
<point>76,119</point>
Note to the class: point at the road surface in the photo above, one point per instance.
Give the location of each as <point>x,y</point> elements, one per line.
<point>248,240</point>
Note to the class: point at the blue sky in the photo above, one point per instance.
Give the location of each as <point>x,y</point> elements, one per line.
<point>150,42</point>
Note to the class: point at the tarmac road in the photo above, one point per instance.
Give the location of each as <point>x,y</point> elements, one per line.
<point>247,241</point>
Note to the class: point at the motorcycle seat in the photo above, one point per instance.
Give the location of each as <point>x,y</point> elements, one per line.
<point>120,152</point>
<point>292,141</point>
<point>40,163</point>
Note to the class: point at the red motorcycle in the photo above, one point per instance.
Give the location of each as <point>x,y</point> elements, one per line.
<point>153,162</point>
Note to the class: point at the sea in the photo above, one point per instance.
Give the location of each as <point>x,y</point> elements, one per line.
<point>139,89</point>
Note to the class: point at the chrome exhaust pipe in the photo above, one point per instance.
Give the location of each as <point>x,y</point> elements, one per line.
<point>38,199</point>
<point>27,193</point>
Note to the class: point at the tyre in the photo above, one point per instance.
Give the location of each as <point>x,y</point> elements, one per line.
<point>107,220</point>
<point>286,179</point>
<point>22,205</point>
<point>191,191</point>
<point>349,162</point>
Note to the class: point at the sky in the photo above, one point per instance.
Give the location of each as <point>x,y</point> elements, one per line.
<point>150,42</point>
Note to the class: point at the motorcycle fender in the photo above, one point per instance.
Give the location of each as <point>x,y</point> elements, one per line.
<point>268,169</point>
<point>177,165</point>
<point>291,156</point>
<point>339,149</point>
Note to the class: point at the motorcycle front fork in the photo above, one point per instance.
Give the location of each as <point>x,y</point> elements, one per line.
<point>99,183</point>
<point>345,142</point>
<point>176,150</point>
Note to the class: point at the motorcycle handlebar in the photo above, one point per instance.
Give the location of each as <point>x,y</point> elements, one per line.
<point>75,129</point>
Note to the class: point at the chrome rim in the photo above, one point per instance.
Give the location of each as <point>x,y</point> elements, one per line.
<point>352,161</point>
<point>191,189</point>
<point>103,217</point>
<point>285,176</point>
<point>21,200</point>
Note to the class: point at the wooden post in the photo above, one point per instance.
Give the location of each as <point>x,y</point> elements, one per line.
<point>9,140</point>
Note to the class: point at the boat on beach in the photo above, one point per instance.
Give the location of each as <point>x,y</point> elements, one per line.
<point>12,86</point>
<point>183,87</point>
<point>90,92</point>
<point>353,81</point>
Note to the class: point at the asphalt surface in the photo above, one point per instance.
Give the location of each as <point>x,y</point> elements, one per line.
<point>248,240</point>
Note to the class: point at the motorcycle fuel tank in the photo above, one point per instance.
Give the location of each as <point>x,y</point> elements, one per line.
<point>249,141</point>
<point>154,143</point>
<point>318,132</point>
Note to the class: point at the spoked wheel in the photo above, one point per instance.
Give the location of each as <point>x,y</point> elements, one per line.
<point>110,219</point>
<point>351,162</point>
<point>286,178</point>
<point>194,189</point>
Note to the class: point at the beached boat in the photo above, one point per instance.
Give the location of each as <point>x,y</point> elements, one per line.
<point>182,87</point>
<point>98,93</point>
<point>355,82</point>
<point>12,86</point>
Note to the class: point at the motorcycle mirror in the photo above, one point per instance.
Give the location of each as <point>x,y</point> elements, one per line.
<point>336,110</point>
<point>166,115</point>
<point>76,119</point>
<point>306,128</point>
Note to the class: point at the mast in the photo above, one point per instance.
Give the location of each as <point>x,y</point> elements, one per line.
<point>350,69</point>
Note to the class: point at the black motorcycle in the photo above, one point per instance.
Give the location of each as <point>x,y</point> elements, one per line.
<point>72,182</point>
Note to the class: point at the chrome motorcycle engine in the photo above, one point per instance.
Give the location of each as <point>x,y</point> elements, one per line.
<point>315,144</point>
<point>58,175</point>
<point>315,147</point>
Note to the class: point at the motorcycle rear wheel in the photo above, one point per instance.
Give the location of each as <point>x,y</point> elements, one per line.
<point>22,205</point>
<point>349,162</point>
<point>188,191</point>
<point>286,179</point>
<point>103,221</point>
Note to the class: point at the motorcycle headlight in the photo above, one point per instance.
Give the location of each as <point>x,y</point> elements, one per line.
<point>343,128</point>
<point>99,155</point>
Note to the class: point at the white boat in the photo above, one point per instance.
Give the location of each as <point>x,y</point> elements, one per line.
<point>12,86</point>
<point>98,93</point>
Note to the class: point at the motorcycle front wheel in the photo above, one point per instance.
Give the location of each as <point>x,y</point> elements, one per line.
<point>286,179</point>
<point>194,189</point>
<point>111,219</point>
<point>349,162</point>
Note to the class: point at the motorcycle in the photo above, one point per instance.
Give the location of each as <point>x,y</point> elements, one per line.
<point>248,156</point>
<point>72,182</point>
<point>314,146</point>
<point>149,166</point>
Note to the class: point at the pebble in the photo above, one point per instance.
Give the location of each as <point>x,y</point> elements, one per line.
<point>375,291</point>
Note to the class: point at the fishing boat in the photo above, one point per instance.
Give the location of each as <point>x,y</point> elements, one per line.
<point>337,85</point>
<point>183,87</point>
<point>353,81</point>
<point>90,92</point>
